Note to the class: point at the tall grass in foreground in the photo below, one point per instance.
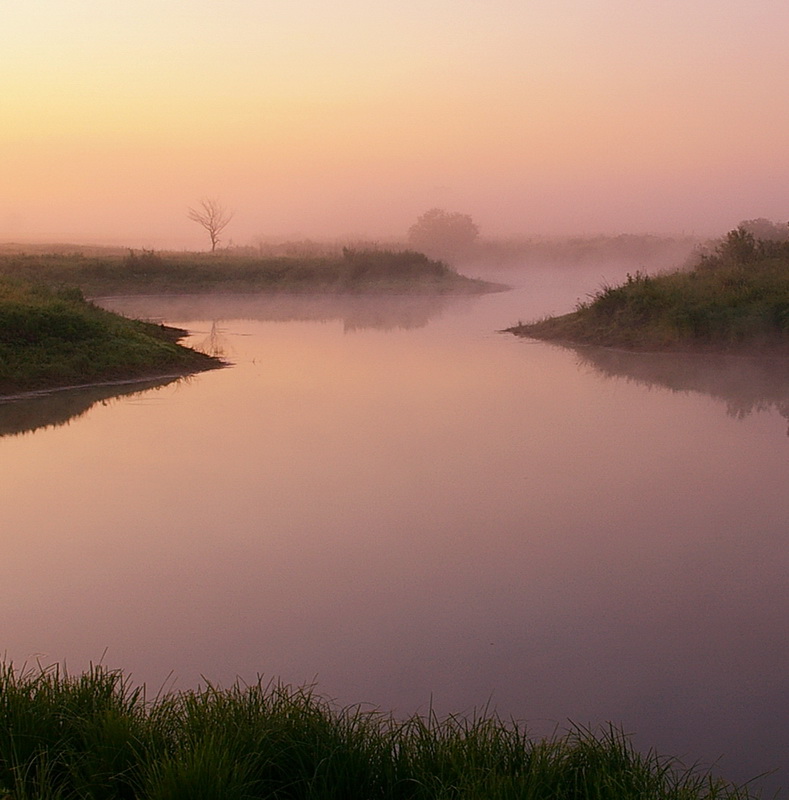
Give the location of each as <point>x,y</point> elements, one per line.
<point>96,736</point>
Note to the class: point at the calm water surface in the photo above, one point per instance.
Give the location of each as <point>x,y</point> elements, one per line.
<point>397,502</point>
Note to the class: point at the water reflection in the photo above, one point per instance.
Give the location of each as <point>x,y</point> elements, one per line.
<point>357,312</point>
<point>436,515</point>
<point>27,414</point>
<point>744,384</point>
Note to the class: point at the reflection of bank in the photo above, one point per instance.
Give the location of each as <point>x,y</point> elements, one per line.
<point>355,311</point>
<point>744,383</point>
<point>59,407</point>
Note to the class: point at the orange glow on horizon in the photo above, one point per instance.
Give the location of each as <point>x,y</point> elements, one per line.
<point>278,111</point>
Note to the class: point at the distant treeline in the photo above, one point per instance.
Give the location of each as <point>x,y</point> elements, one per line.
<point>494,251</point>
<point>512,252</point>
<point>641,250</point>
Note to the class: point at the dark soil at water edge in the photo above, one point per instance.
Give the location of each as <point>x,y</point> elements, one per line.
<point>94,735</point>
<point>148,272</point>
<point>735,299</point>
<point>53,338</point>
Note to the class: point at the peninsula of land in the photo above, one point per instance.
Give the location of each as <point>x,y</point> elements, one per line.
<point>54,337</point>
<point>734,298</point>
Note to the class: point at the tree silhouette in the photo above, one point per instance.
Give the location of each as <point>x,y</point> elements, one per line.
<point>442,232</point>
<point>739,246</point>
<point>213,216</point>
<point>766,230</point>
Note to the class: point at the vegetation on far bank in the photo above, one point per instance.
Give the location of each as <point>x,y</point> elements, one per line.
<point>50,336</point>
<point>150,272</point>
<point>54,337</point>
<point>96,736</point>
<point>735,298</point>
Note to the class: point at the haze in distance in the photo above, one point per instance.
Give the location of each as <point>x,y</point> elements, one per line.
<point>550,117</point>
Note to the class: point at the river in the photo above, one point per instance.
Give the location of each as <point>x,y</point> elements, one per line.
<point>396,502</point>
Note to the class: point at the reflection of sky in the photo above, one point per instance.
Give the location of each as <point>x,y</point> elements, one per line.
<point>420,512</point>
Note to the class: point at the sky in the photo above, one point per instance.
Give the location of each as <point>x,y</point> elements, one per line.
<point>350,118</point>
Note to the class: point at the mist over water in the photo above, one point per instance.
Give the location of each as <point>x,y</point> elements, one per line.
<point>390,497</point>
<point>407,507</point>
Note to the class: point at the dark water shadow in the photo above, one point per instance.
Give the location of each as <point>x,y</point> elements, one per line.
<point>745,384</point>
<point>356,312</point>
<point>26,414</point>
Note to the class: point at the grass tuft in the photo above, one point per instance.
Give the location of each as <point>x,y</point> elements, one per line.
<point>95,736</point>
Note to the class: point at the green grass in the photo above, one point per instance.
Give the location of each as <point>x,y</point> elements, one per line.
<point>734,299</point>
<point>50,336</point>
<point>149,272</point>
<point>96,736</point>
<point>54,337</point>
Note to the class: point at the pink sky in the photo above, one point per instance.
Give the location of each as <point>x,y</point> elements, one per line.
<point>313,118</point>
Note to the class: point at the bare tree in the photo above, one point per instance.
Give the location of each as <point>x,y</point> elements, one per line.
<point>213,216</point>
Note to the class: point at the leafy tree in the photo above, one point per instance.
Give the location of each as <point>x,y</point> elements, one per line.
<point>443,233</point>
<point>766,230</point>
<point>213,216</point>
<point>738,246</point>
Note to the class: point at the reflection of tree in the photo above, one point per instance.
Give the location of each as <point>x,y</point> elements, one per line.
<point>745,384</point>
<point>356,312</point>
<point>215,344</point>
<point>60,407</point>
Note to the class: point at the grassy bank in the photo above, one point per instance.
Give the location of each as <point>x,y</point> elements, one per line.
<point>734,299</point>
<point>94,736</point>
<point>148,272</point>
<point>54,337</point>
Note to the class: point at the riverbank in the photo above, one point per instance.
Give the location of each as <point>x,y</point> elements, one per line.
<point>95,735</point>
<point>735,299</point>
<point>50,336</point>
<point>53,338</point>
<point>149,272</point>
